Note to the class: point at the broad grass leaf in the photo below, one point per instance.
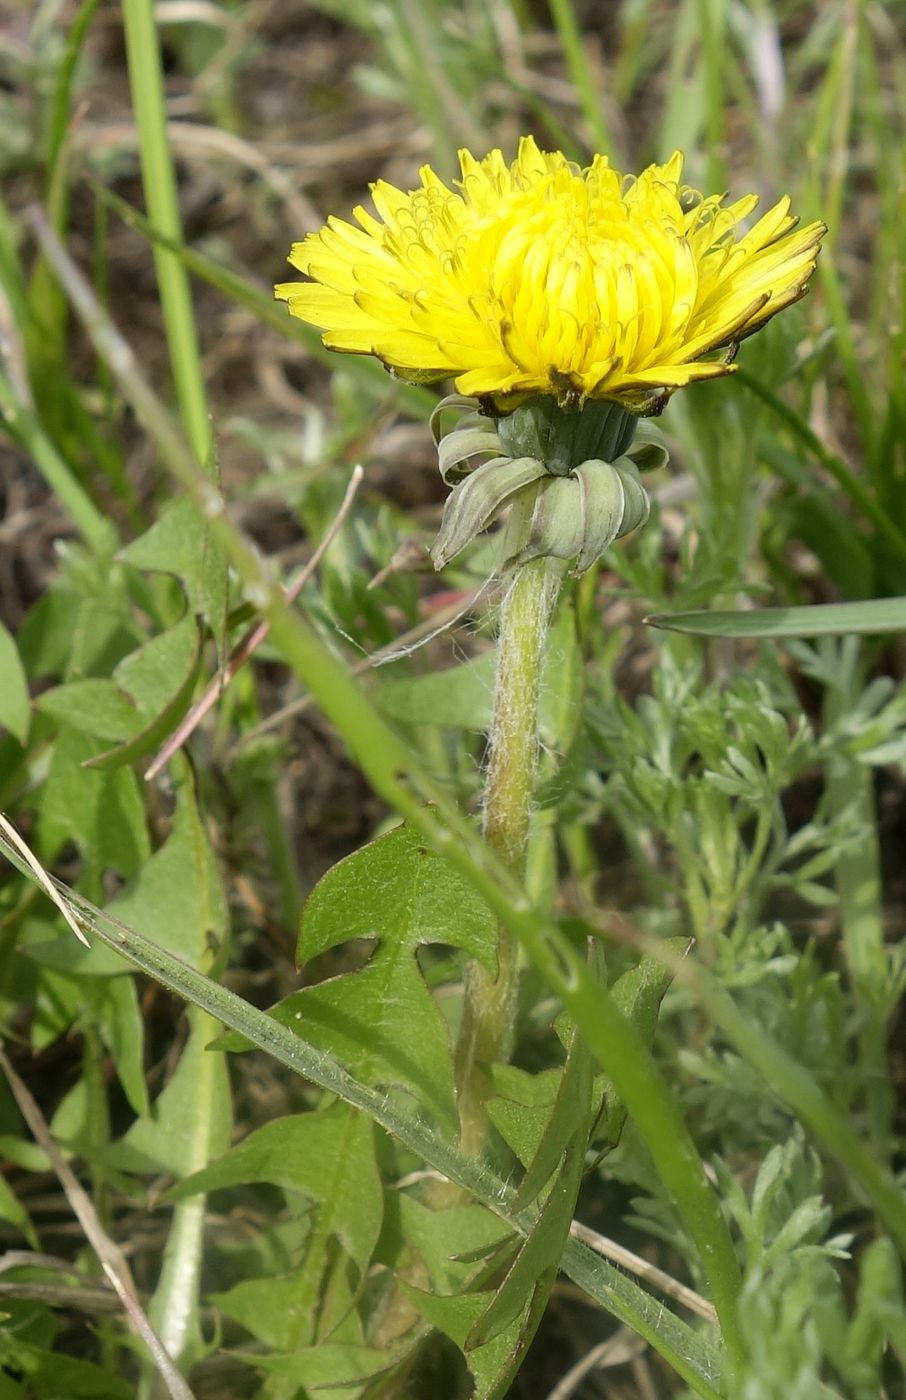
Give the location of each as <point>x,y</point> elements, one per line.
<point>180,543</point>
<point>875,616</point>
<point>328,1156</point>
<point>41,941</point>
<point>15,711</point>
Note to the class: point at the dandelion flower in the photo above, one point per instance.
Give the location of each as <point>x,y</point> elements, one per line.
<point>539,278</point>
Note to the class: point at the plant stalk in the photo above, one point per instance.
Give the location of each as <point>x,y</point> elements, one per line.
<point>489,1011</point>
<point>395,773</point>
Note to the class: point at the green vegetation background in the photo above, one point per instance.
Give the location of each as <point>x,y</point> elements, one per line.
<point>743,792</point>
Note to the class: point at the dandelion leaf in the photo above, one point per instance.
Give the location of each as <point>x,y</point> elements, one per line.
<point>180,543</point>
<point>139,705</point>
<point>14,703</point>
<point>522,1106</point>
<point>493,1364</point>
<point>381,1021</point>
<point>560,1153</point>
<point>328,1156</point>
<point>461,697</point>
<point>176,898</point>
<point>449,1241</point>
<point>48,1375</point>
<point>15,1214</point>
<point>638,993</point>
<point>101,812</point>
<point>163,1140</point>
<point>339,1370</point>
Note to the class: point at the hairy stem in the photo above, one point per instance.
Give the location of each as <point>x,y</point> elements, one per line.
<point>490,1002</point>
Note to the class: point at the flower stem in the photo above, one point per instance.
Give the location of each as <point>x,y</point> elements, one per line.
<point>490,1002</point>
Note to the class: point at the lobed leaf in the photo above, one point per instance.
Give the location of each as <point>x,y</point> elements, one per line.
<point>180,543</point>
<point>101,812</point>
<point>691,1355</point>
<point>492,1364</point>
<point>381,1020</point>
<point>525,1288</point>
<point>327,1155</point>
<point>139,705</point>
<point>638,993</point>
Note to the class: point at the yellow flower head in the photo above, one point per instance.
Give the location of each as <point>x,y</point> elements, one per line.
<point>541,278</point>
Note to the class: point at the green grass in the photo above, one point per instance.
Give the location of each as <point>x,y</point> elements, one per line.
<point>713,878</point>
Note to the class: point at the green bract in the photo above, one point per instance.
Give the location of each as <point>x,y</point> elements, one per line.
<point>570,479</point>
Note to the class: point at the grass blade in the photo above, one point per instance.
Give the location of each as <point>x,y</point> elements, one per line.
<point>876,616</point>
<point>417,401</point>
<point>159,182</point>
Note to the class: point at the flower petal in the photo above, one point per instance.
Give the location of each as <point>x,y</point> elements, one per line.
<point>538,277</point>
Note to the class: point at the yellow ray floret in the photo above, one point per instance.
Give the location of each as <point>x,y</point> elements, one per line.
<point>537,277</point>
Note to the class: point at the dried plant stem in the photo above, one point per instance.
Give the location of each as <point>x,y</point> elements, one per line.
<point>111,1257</point>
<point>490,1002</point>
